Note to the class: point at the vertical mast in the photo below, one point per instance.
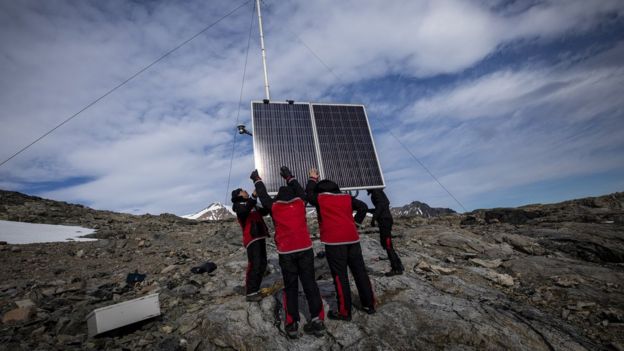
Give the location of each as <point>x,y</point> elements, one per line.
<point>264,65</point>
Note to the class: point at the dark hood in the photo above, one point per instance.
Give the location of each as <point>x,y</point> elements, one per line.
<point>327,186</point>
<point>285,194</point>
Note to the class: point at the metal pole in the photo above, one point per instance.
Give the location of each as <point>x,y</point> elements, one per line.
<point>266,75</point>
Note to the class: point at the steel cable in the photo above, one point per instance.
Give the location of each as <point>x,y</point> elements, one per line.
<point>240,101</point>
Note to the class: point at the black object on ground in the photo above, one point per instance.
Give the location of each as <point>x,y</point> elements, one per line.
<point>135,278</point>
<point>207,267</point>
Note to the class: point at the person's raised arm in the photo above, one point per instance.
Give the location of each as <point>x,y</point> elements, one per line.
<point>263,195</point>
<point>263,211</point>
<point>313,177</point>
<point>243,208</point>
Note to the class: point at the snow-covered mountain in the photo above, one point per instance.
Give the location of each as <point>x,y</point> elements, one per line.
<point>417,208</point>
<point>216,211</point>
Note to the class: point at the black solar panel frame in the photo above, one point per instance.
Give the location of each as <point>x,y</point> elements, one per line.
<point>271,176</point>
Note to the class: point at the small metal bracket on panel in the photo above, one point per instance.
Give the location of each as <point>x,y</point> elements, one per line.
<point>266,101</point>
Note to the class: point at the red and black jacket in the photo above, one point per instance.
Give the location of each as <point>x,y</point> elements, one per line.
<point>250,219</point>
<point>335,212</point>
<point>289,216</point>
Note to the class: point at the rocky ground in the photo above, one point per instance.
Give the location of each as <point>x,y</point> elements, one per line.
<point>540,277</point>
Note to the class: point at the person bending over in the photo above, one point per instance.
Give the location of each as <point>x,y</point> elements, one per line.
<point>383,217</point>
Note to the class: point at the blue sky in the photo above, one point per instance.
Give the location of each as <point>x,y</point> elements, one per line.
<point>506,102</point>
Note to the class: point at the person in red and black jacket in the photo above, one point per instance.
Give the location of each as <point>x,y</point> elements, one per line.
<point>294,247</point>
<point>342,244</point>
<point>383,217</point>
<point>255,232</point>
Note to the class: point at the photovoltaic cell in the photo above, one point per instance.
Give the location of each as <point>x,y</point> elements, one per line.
<point>283,135</point>
<point>335,139</point>
<point>346,146</point>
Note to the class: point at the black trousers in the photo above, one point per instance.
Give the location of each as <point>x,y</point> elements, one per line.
<point>339,257</point>
<point>385,236</point>
<point>299,266</point>
<point>256,265</point>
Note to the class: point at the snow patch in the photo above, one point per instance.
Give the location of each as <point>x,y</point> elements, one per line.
<point>29,233</point>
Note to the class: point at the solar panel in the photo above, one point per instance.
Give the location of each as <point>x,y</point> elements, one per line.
<point>283,135</point>
<point>335,139</point>
<point>346,146</point>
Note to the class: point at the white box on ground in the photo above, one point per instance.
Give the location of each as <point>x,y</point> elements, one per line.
<point>115,316</point>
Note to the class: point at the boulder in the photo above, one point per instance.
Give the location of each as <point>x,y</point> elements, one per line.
<point>20,314</point>
<point>168,269</point>
<point>523,244</point>
<point>25,303</point>
<point>487,263</point>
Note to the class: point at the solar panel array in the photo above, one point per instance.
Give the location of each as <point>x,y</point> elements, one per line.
<point>335,139</point>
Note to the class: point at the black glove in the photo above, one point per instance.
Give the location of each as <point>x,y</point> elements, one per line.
<point>255,176</point>
<point>285,173</point>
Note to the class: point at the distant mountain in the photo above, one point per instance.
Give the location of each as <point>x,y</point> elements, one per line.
<point>215,212</point>
<point>421,209</point>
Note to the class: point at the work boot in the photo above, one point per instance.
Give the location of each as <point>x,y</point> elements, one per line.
<point>338,317</point>
<point>369,310</point>
<point>315,326</point>
<point>393,272</point>
<point>254,297</point>
<point>292,330</point>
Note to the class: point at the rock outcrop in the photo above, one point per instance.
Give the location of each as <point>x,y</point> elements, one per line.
<point>552,281</point>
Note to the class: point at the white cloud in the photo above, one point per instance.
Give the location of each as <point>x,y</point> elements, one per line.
<point>367,39</point>
<point>513,128</point>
